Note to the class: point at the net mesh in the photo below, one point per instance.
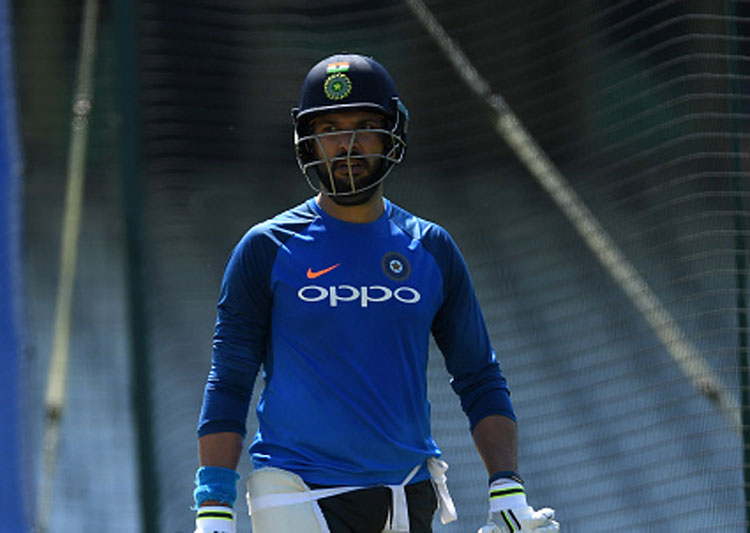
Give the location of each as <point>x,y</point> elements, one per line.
<point>643,107</point>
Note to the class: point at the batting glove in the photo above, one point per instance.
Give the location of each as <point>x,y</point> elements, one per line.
<point>215,519</point>
<point>509,512</point>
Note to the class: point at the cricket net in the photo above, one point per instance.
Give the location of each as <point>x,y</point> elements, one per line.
<point>589,158</point>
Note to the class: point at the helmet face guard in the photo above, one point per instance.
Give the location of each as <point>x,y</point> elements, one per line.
<point>340,83</point>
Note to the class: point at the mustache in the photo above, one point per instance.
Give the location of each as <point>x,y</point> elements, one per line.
<point>346,158</point>
<point>345,154</point>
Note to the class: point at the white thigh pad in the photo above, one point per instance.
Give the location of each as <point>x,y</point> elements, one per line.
<point>283,503</point>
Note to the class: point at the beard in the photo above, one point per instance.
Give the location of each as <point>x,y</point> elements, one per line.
<point>365,186</point>
<point>358,198</point>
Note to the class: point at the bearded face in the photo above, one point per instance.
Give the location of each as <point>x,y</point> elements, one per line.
<point>349,146</point>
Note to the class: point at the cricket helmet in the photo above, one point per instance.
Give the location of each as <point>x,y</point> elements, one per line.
<point>338,83</point>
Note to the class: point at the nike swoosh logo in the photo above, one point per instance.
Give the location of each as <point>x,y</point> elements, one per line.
<point>318,273</point>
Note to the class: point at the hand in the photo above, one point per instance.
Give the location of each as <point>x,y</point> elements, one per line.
<point>509,512</point>
<point>214,519</point>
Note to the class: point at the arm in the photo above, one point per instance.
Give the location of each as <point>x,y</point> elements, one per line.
<point>462,336</point>
<point>239,340</point>
<point>219,449</point>
<point>238,350</point>
<point>496,440</point>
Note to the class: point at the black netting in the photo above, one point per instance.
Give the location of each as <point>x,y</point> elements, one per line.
<point>643,107</point>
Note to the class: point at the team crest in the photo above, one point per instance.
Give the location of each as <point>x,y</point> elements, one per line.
<point>395,266</point>
<point>337,86</point>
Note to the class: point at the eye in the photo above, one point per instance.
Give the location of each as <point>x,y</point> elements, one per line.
<point>325,128</point>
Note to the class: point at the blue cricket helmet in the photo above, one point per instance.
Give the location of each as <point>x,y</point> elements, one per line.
<point>348,81</point>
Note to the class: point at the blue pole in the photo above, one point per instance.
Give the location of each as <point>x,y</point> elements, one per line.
<point>14,487</point>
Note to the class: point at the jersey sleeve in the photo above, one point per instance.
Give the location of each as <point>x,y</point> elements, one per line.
<point>241,329</point>
<point>461,334</point>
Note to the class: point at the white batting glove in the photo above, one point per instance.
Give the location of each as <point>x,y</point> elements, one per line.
<point>509,512</point>
<point>214,519</point>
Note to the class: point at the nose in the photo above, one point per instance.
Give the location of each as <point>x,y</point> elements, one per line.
<point>346,141</point>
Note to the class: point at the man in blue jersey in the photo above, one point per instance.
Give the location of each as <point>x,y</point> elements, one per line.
<point>335,301</point>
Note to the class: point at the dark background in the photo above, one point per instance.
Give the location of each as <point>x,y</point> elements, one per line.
<point>644,108</point>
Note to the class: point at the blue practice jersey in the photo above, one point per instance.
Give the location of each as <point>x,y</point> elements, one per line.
<point>339,316</point>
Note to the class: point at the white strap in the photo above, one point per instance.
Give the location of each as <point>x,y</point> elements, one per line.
<point>399,517</point>
<point>446,506</point>
<point>293,498</point>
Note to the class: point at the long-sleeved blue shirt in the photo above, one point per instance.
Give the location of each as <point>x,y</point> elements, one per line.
<point>339,316</point>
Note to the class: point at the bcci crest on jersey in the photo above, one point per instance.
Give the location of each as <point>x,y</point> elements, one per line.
<point>364,295</point>
<point>395,266</point>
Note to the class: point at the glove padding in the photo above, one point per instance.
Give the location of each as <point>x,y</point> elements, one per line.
<point>509,512</point>
<point>214,519</point>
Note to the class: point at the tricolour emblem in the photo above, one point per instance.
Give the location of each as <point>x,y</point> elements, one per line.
<point>338,66</point>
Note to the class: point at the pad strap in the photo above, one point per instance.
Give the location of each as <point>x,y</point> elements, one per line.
<point>294,498</point>
<point>447,508</point>
<point>399,518</point>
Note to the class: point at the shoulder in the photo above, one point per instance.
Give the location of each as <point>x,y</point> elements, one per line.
<point>274,232</point>
<point>436,241</point>
<point>256,251</point>
<point>431,234</point>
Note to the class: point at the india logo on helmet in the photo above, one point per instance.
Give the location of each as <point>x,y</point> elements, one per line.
<point>337,86</point>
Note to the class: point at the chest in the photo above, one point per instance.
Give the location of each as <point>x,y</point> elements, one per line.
<point>382,278</point>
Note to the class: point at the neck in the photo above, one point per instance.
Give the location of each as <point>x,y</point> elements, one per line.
<point>359,214</point>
